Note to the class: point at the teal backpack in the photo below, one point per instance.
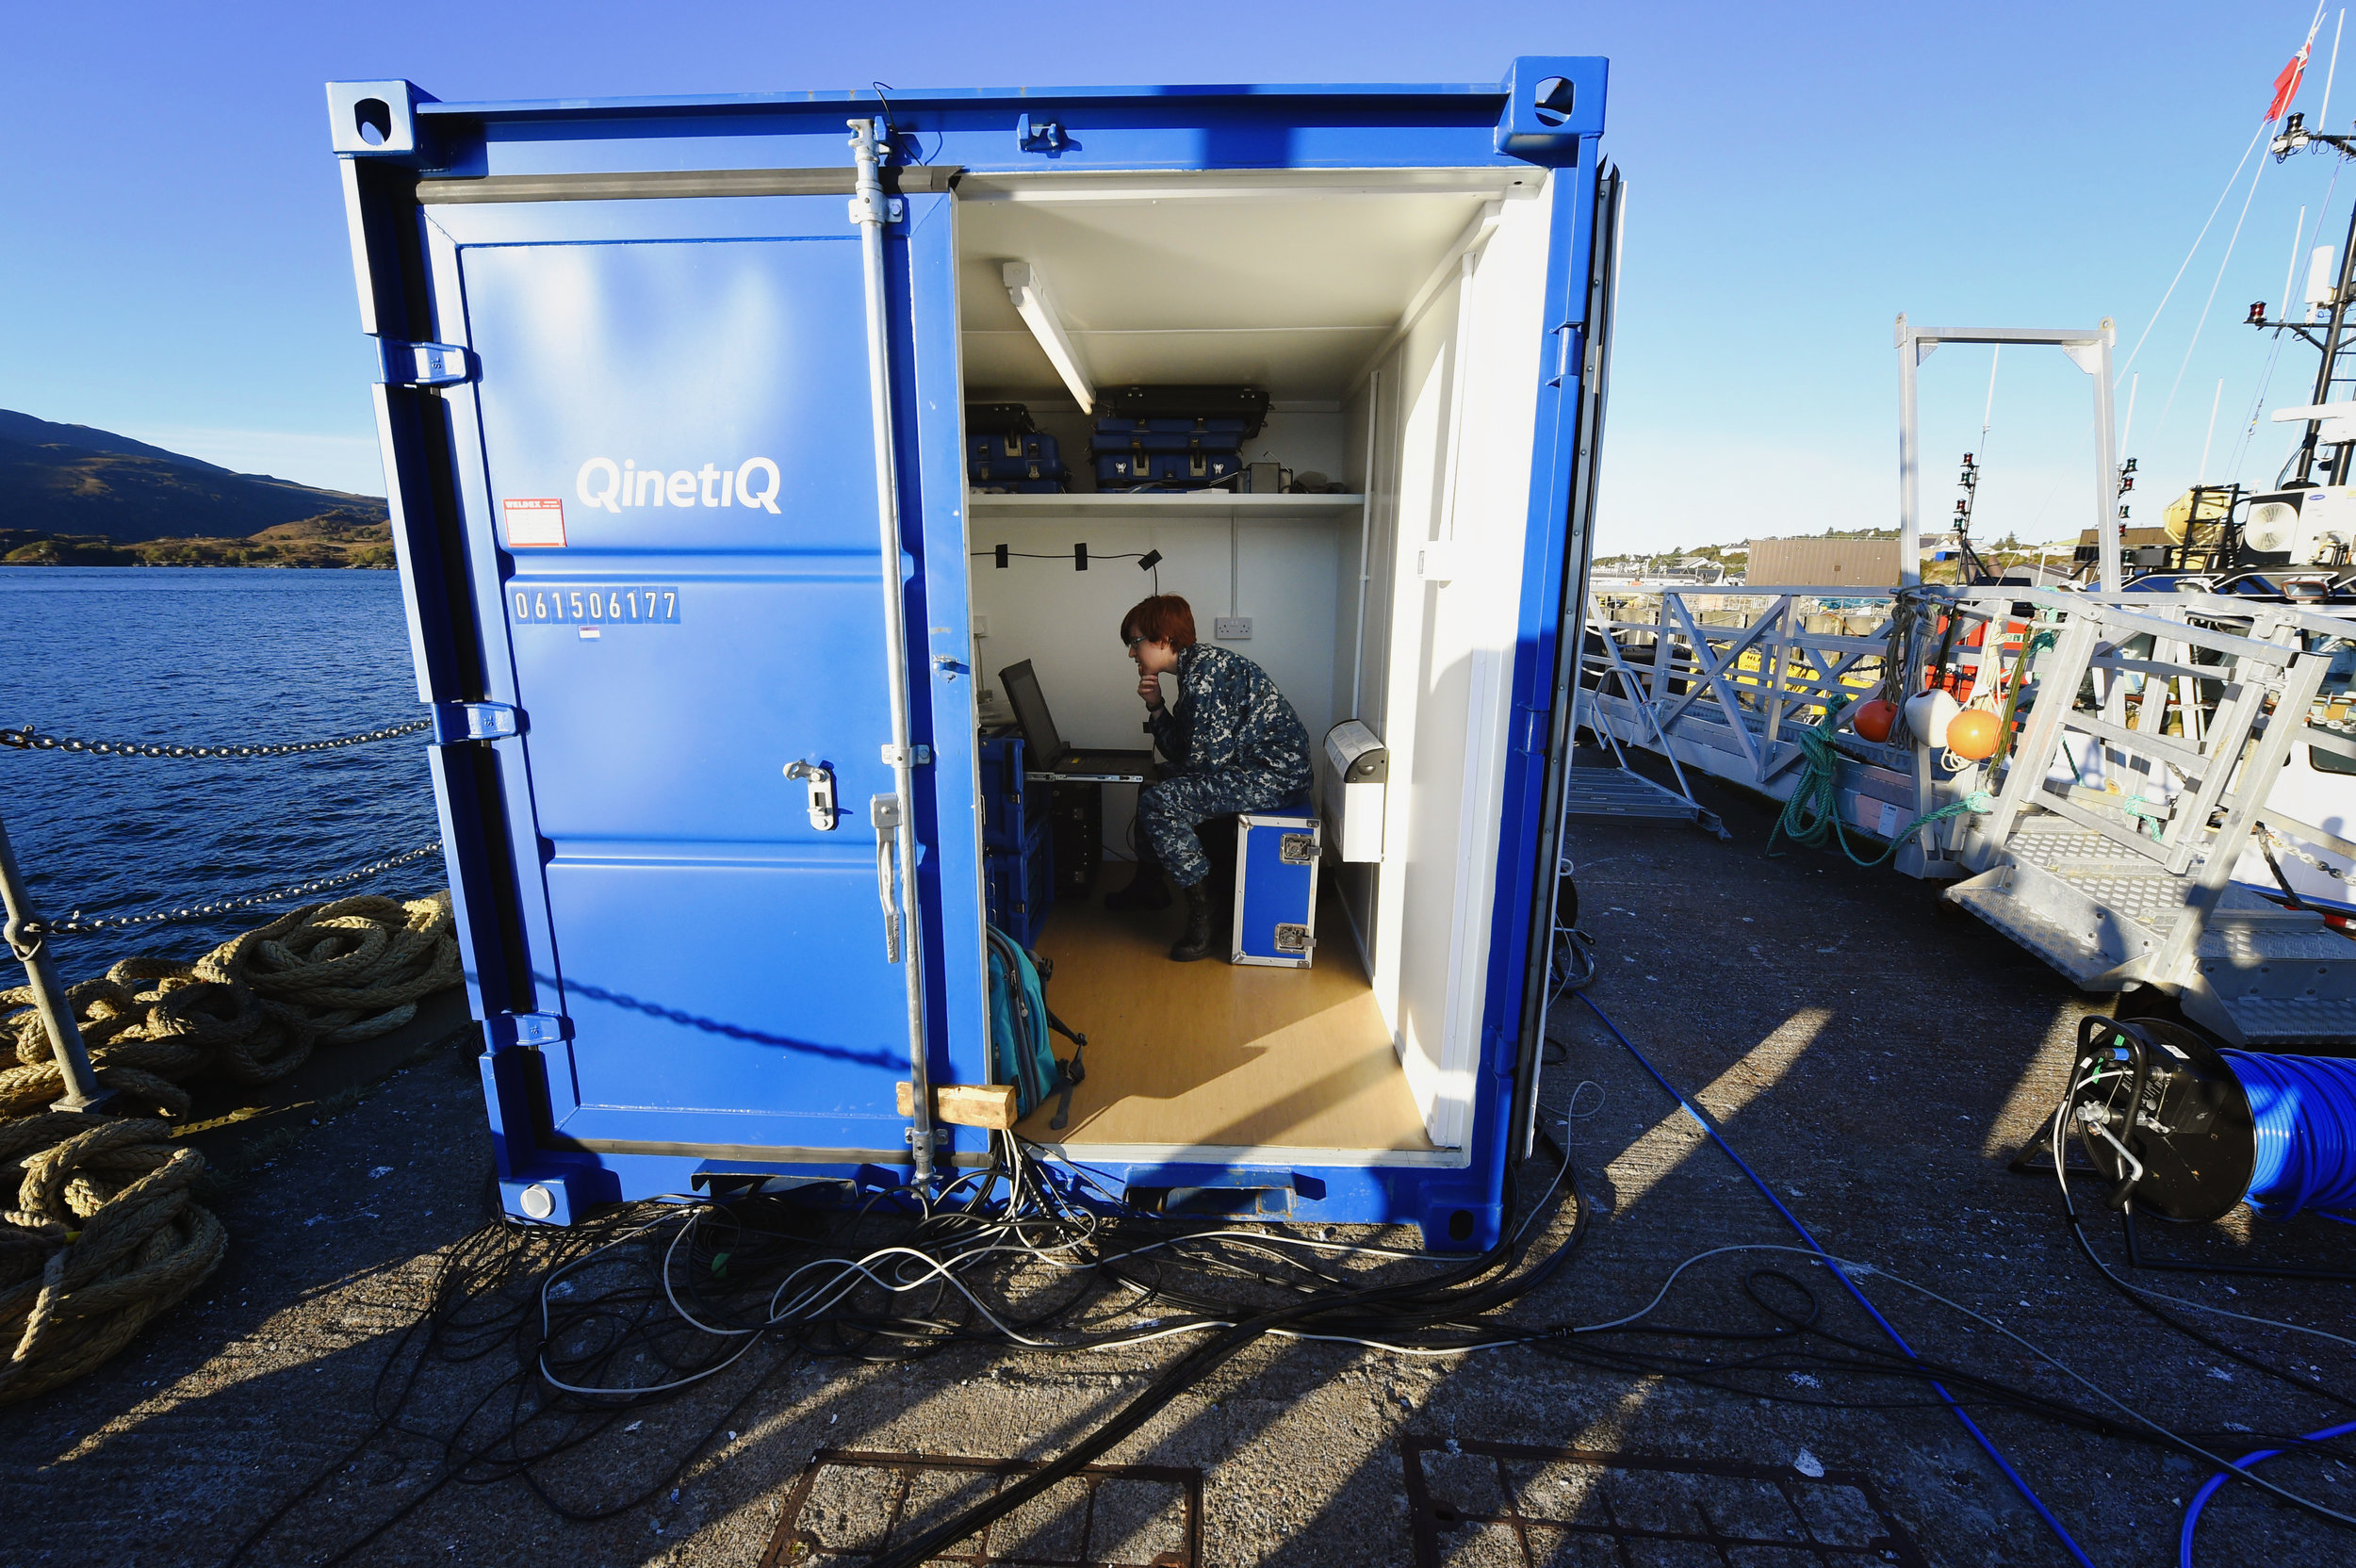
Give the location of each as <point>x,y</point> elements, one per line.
<point>1019,1022</point>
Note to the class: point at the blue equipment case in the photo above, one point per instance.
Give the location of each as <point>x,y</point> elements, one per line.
<point>679,486</point>
<point>1167,435</point>
<point>1012,804</point>
<point>1276,888</point>
<point>1014,456</point>
<point>1019,883</point>
<point>1018,840</point>
<point>1119,469</point>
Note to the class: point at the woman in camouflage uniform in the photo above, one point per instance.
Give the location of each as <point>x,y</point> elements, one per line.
<point>1232,742</point>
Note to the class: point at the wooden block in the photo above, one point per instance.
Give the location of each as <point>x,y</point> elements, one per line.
<point>988,1105</point>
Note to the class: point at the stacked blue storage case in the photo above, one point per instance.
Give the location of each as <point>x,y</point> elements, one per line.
<point>1026,462</point>
<point>1018,840</point>
<point>1186,453</point>
<point>1181,437</point>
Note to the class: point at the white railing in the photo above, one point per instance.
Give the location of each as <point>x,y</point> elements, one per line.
<point>1720,678</point>
<point>1716,676</point>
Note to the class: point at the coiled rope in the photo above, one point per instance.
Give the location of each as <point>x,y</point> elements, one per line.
<point>1811,818</point>
<point>105,1233</point>
<point>2305,1112</point>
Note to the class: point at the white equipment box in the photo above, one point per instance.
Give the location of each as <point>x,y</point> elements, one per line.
<point>1358,768</point>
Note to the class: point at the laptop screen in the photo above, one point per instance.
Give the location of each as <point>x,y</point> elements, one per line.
<point>1030,712</point>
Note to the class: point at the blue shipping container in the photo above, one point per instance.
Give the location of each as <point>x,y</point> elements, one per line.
<point>671,402</point>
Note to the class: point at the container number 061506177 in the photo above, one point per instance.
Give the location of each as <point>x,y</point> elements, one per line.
<point>577,604</point>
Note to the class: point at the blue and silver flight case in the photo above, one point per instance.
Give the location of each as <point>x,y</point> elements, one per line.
<point>1276,889</point>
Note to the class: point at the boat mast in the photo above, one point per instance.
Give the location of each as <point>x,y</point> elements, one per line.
<point>2295,138</point>
<point>2334,340</point>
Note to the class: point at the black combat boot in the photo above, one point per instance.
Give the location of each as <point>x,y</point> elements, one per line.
<point>1196,944</point>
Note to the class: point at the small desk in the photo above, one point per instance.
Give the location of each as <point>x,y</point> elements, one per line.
<point>1088,778</point>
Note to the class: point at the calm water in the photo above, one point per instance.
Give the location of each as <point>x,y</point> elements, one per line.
<point>203,656</point>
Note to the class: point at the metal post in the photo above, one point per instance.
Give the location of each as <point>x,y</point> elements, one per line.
<point>2105,472</point>
<point>2332,341</point>
<point>1910,465</point>
<point>82,1092</point>
<point>869,211</point>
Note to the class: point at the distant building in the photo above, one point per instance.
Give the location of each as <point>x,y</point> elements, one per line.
<point>1823,563</point>
<point>1643,568</point>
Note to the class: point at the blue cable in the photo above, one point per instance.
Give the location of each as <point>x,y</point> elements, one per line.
<point>2208,1487</point>
<point>2305,1112</point>
<point>1986,1445</point>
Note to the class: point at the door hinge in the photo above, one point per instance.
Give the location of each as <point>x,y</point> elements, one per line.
<point>455,723</point>
<point>422,364</point>
<point>527,1029</point>
<point>1569,351</point>
<point>1531,726</point>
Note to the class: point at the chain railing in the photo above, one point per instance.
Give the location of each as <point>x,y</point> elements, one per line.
<point>26,933</point>
<point>75,926</point>
<point>25,738</point>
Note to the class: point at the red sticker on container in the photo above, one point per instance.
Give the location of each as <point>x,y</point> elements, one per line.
<point>534,524</point>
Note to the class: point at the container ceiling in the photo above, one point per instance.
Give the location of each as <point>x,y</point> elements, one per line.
<point>1287,286</point>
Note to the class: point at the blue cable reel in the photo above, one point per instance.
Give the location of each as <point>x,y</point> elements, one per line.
<point>2212,1128</point>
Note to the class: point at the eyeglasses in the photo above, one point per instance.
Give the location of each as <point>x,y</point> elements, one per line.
<point>1132,641</point>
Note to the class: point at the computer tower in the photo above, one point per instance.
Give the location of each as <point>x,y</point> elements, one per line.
<point>1077,813</point>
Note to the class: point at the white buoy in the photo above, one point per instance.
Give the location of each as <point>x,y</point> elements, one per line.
<point>1929,715</point>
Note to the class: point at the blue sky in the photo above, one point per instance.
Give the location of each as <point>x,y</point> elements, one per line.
<point>173,266</point>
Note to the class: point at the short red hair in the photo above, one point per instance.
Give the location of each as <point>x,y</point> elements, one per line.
<point>1162,618</point>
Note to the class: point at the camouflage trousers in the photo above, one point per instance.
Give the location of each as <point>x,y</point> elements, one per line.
<point>1168,811</point>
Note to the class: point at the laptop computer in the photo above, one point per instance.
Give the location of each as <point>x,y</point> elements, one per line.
<point>1048,756</point>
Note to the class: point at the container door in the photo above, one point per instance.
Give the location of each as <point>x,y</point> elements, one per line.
<point>1579,413</point>
<point>1488,390</point>
<point>676,479</point>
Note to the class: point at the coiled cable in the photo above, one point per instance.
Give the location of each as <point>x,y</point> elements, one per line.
<point>2304,1109</point>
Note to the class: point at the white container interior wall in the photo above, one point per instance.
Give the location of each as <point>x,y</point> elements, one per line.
<point>1279,573</point>
<point>1416,316</point>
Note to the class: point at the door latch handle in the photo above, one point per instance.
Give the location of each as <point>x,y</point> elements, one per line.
<point>821,781</point>
<point>884,812</point>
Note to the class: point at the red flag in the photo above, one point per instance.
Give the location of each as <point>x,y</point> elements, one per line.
<point>2287,85</point>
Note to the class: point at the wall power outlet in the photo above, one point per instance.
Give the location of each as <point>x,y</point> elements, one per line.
<point>1232,629</point>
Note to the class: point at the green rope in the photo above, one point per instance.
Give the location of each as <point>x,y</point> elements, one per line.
<point>1811,818</point>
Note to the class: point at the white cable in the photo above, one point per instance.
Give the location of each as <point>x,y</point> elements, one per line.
<point>2129,363</point>
<point>2202,319</point>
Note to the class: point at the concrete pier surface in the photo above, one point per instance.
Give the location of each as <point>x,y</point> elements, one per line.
<point>1875,1058</point>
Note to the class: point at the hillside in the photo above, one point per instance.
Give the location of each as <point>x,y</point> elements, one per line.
<point>71,482</point>
<point>340,538</point>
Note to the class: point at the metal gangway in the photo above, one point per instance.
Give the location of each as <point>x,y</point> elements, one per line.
<point>2157,727</point>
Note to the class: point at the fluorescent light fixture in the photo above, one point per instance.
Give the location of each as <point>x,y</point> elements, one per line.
<point>1026,286</point>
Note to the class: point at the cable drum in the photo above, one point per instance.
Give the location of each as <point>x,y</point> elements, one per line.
<point>2212,1128</point>
<point>2304,1111</point>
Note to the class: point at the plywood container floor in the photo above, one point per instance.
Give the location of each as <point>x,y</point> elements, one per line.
<point>1212,1054</point>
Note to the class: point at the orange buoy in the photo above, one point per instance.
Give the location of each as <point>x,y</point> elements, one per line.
<point>1971,734</point>
<point>1872,719</point>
